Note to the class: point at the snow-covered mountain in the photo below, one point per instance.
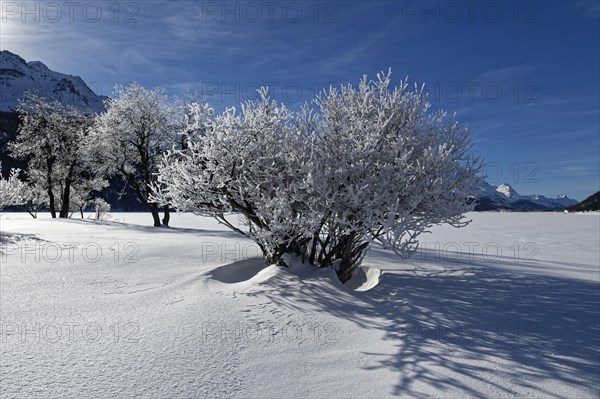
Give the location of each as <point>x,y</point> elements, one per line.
<point>18,76</point>
<point>491,197</point>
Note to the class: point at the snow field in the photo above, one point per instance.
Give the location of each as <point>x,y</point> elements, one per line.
<point>130,310</point>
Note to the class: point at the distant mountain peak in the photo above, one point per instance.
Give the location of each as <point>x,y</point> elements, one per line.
<point>37,65</point>
<point>18,77</point>
<point>504,196</point>
<point>507,190</point>
<point>5,54</point>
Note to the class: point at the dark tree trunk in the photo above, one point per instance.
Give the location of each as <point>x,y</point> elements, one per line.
<point>51,204</point>
<point>274,259</point>
<point>153,208</point>
<point>143,198</point>
<point>346,262</point>
<point>167,215</point>
<point>32,212</point>
<point>64,212</point>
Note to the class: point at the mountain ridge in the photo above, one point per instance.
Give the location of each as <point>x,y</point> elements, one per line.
<point>18,76</point>
<point>590,204</point>
<point>505,197</point>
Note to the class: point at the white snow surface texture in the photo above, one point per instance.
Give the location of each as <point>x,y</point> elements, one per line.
<point>506,307</point>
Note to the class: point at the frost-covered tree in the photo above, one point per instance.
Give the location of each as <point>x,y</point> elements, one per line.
<point>131,137</point>
<point>362,165</point>
<point>191,118</point>
<point>12,190</point>
<point>386,169</point>
<point>53,138</point>
<point>250,163</point>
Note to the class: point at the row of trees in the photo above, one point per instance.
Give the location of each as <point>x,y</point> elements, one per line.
<point>358,165</point>
<point>71,156</point>
<point>52,139</point>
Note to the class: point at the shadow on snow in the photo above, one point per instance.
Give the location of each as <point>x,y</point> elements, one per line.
<point>456,327</point>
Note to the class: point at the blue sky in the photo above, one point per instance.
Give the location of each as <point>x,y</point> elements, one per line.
<point>524,75</point>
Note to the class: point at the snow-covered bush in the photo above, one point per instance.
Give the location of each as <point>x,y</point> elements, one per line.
<point>250,163</point>
<point>81,195</point>
<point>363,165</point>
<point>101,208</point>
<point>12,190</point>
<point>385,169</point>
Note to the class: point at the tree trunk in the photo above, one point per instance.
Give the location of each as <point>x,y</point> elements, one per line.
<point>154,211</point>
<point>274,259</point>
<point>49,164</point>
<point>32,212</point>
<point>64,212</point>
<point>51,204</point>
<point>167,216</point>
<point>346,264</point>
<point>142,198</point>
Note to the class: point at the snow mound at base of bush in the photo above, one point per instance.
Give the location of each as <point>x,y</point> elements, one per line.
<point>253,271</point>
<point>237,272</point>
<point>364,278</point>
<point>241,274</point>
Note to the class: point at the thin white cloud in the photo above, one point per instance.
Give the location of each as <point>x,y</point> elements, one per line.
<point>507,73</point>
